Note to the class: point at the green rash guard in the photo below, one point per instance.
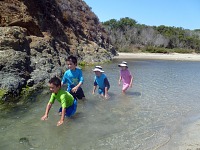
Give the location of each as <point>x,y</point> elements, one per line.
<point>63,97</point>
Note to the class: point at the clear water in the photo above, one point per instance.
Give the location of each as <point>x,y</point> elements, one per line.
<point>164,95</point>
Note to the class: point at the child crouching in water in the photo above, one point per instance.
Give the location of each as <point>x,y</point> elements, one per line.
<point>125,76</point>
<point>101,80</point>
<point>67,101</point>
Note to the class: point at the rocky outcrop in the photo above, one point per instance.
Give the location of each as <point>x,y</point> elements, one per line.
<point>36,36</point>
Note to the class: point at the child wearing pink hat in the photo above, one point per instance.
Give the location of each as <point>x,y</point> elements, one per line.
<point>125,77</point>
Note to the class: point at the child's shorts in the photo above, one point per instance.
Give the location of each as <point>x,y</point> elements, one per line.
<point>79,93</point>
<point>70,110</point>
<point>102,91</point>
<point>125,86</point>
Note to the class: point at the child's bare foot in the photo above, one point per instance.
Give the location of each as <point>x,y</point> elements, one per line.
<point>107,96</point>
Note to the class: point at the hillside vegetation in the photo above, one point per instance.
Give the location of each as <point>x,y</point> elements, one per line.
<point>129,36</point>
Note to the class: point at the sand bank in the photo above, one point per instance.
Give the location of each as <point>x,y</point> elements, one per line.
<point>158,56</point>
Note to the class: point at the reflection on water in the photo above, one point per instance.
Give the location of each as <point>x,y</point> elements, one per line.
<point>164,94</point>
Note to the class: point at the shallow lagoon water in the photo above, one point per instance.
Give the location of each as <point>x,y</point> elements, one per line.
<point>165,96</point>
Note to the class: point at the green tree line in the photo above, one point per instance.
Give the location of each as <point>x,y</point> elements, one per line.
<point>127,35</point>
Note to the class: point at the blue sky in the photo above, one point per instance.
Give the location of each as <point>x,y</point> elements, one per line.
<point>177,13</point>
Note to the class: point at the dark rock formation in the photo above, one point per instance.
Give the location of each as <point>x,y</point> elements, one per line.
<point>36,36</point>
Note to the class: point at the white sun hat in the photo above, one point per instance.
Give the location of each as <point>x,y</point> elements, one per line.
<point>98,68</point>
<point>123,64</point>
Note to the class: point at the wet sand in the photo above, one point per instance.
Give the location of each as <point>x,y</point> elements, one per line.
<point>190,137</point>
<point>158,56</point>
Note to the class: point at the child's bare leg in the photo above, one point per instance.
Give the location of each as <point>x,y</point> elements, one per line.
<point>124,88</point>
<point>123,91</point>
<point>102,95</point>
<point>107,96</point>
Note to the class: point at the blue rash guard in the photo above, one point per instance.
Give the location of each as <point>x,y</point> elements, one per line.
<point>72,78</point>
<point>102,82</point>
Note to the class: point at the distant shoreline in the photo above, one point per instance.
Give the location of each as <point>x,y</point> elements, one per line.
<point>159,56</point>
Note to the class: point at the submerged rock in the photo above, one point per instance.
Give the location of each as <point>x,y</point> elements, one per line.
<point>25,141</point>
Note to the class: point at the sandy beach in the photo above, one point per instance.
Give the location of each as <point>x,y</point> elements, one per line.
<point>157,56</point>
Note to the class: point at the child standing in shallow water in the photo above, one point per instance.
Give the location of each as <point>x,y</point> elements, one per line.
<point>125,77</point>
<point>101,80</point>
<point>73,78</point>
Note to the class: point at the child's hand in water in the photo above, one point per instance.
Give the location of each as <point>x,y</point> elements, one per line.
<point>60,122</point>
<point>44,117</point>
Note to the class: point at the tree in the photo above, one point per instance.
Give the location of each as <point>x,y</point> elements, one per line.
<point>127,22</point>
<point>126,33</point>
<point>112,23</point>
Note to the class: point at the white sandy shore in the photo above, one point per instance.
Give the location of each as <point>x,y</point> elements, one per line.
<point>158,56</point>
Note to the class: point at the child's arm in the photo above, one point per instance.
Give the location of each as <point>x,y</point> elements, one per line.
<point>131,83</point>
<point>106,93</point>
<point>120,78</point>
<point>46,112</point>
<point>74,90</point>
<point>94,89</point>
<point>107,85</point>
<point>95,86</point>
<point>64,79</point>
<point>62,117</point>
<point>81,79</point>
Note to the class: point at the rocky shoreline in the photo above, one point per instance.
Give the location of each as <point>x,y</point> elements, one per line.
<point>27,62</point>
<point>36,37</point>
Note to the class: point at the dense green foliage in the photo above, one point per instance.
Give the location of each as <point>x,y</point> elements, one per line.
<point>189,40</point>
<point>127,35</point>
<point>122,23</point>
